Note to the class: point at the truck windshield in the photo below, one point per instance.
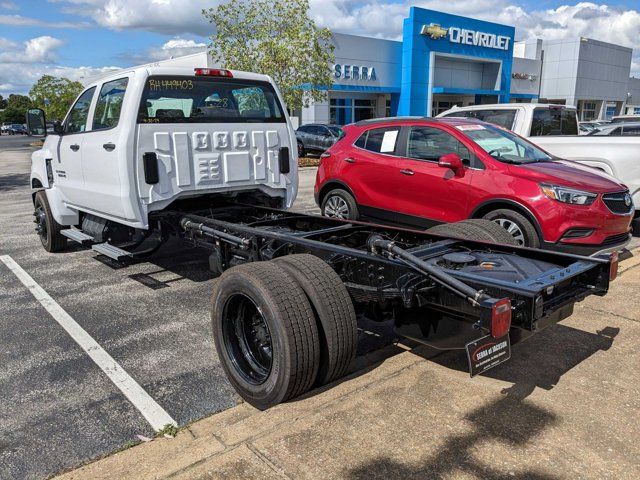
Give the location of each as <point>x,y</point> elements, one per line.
<point>503,145</point>
<point>554,121</point>
<point>189,99</point>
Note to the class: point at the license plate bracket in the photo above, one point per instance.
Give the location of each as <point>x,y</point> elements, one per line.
<point>487,352</point>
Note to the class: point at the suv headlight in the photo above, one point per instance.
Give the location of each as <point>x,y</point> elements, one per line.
<point>568,195</point>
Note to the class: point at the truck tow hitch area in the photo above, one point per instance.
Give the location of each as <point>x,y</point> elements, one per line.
<point>443,292</point>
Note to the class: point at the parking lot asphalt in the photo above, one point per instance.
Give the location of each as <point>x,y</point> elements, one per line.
<point>59,409</point>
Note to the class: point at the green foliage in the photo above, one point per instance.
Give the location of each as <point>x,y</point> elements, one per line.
<point>277,38</point>
<point>58,91</point>
<point>16,109</point>
<point>3,103</point>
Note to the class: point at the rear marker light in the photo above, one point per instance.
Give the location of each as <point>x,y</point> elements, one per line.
<point>213,72</point>
<point>613,268</point>
<point>500,318</point>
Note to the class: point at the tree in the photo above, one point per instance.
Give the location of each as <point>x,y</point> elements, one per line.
<point>54,95</point>
<point>277,38</point>
<point>3,103</point>
<point>16,110</point>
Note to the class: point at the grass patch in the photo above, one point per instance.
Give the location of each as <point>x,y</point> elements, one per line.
<point>308,162</point>
<point>168,429</point>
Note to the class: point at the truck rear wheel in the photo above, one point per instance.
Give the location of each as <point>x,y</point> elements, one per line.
<point>475,229</point>
<point>46,226</point>
<point>333,308</point>
<point>265,333</point>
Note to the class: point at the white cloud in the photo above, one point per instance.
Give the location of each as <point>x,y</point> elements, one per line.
<point>8,5</point>
<point>29,74</point>
<point>21,21</point>
<point>36,50</point>
<point>162,16</point>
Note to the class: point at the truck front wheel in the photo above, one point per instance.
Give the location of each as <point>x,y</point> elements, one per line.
<point>265,333</point>
<point>46,226</point>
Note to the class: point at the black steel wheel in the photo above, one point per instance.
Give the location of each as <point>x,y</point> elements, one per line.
<point>339,203</point>
<point>247,338</point>
<point>46,226</point>
<point>265,333</point>
<point>302,152</point>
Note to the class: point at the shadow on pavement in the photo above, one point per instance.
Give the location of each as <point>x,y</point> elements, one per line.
<point>487,423</point>
<point>14,181</point>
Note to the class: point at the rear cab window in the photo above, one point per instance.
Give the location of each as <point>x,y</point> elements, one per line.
<point>501,116</point>
<point>109,104</point>
<point>187,99</point>
<point>553,121</point>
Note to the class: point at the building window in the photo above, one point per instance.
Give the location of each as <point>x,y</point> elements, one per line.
<point>588,111</point>
<point>636,110</point>
<point>349,110</point>
<point>340,111</point>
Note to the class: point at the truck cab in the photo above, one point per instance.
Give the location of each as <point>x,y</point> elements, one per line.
<point>138,140</point>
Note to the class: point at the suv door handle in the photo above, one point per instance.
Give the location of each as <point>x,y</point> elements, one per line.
<point>75,147</point>
<point>109,146</point>
<point>349,160</point>
<point>406,171</point>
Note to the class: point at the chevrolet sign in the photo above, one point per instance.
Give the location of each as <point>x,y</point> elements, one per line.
<point>466,37</point>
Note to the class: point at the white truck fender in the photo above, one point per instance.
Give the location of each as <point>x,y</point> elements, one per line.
<point>40,180</point>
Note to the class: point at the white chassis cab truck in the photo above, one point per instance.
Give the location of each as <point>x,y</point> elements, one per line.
<point>208,157</point>
<point>555,129</point>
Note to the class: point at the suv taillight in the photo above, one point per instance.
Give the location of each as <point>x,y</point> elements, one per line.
<point>500,318</point>
<point>613,266</point>
<point>213,72</point>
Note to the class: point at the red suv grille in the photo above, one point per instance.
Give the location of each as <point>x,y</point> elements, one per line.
<point>616,202</point>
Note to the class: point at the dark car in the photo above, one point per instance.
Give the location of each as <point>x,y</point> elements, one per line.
<point>16,129</point>
<point>316,137</point>
<point>629,129</point>
<point>421,172</point>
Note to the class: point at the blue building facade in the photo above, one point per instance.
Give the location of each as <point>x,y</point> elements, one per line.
<point>429,36</point>
<point>442,60</point>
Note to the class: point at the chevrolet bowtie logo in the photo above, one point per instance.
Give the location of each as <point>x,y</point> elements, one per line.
<point>434,30</point>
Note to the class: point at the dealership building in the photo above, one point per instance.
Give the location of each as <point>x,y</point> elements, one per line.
<point>445,60</point>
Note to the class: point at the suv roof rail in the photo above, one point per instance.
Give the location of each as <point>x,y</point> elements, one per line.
<point>371,121</point>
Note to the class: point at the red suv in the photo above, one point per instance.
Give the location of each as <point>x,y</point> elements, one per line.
<point>421,171</point>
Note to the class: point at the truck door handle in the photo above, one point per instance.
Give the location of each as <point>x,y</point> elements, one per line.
<point>406,171</point>
<point>349,160</point>
<point>75,147</point>
<point>108,146</point>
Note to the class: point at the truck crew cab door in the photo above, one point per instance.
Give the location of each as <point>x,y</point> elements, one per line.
<point>104,153</point>
<point>68,167</point>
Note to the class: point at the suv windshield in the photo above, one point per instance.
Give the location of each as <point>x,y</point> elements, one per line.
<point>173,99</point>
<point>504,145</point>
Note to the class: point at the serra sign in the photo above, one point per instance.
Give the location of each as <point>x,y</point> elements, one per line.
<point>466,37</point>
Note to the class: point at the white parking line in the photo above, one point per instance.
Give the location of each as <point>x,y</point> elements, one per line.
<point>148,407</point>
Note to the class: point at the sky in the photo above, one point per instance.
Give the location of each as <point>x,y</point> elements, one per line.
<point>81,38</point>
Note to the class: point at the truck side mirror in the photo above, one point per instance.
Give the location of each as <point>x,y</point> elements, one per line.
<point>58,129</point>
<point>36,122</point>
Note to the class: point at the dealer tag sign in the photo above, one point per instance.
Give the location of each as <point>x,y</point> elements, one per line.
<point>487,352</point>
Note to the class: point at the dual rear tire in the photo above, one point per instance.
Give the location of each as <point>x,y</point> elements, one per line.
<point>282,327</point>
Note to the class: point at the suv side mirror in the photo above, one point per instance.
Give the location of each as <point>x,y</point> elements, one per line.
<point>36,122</point>
<point>452,161</point>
